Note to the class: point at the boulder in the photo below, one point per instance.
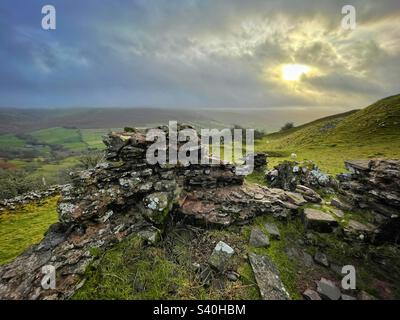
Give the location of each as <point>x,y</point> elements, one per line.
<point>268,278</point>
<point>358,231</point>
<point>272,230</point>
<point>151,235</point>
<point>308,194</point>
<point>328,290</point>
<point>289,174</point>
<point>156,207</point>
<point>258,238</point>
<point>340,204</point>
<point>220,256</point>
<point>295,198</point>
<point>318,220</point>
<point>311,295</point>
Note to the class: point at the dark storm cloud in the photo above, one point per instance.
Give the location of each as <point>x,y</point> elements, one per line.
<point>196,53</point>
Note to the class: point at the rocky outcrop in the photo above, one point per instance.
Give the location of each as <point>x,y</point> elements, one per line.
<point>290,174</point>
<point>127,196</point>
<point>374,185</point>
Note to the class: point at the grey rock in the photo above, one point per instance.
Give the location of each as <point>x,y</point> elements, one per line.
<point>338,213</point>
<point>273,230</point>
<point>321,259</point>
<point>295,198</point>
<point>318,220</point>
<point>151,235</point>
<point>232,276</point>
<point>311,295</point>
<point>347,297</point>
<point>258,238</point>
<point>307,259</point>
<point>328,290</point>
<point>268,278</point>
<point>220,256</point>
<point>340,204</point>
<point>308,194</point>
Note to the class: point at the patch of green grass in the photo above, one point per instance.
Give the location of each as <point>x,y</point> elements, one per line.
<point>51,171</point>
<point>70,138</point>
<point>256,177</point>
<point>24,227</point>
<point>132,271</point>
<point>129,271</point>
<point>93,137</point>
<point>369,133</point>
<point>277,251</point>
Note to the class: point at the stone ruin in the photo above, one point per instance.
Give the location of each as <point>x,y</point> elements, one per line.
<point>375,185</point>
<point>371,185</point>
<point>29,197</point>
<point>290,174</point>
<point>124,195</point>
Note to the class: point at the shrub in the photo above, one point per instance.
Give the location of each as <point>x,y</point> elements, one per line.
<point>287,126</point>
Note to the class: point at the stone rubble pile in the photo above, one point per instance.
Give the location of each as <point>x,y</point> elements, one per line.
<point>29,197</point>
<point>374,185</point>
<point>126,195</point>
<point>289,174</point>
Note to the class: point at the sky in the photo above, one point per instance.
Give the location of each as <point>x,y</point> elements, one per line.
<point>199,54</point>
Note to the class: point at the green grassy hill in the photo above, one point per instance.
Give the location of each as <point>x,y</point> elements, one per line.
<point>368,133</point>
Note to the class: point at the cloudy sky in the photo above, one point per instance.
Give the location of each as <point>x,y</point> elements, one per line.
<point>199,54</point>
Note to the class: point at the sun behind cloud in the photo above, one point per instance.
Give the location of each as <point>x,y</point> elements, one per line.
<point>294,72</point>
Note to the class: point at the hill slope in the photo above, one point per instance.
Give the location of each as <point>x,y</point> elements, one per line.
<point>370,132</point>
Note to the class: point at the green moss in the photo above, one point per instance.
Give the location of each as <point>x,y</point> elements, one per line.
<point>131,271</point>
<point>247,277</point>
<point>24,227</point>
<point>277,251</point>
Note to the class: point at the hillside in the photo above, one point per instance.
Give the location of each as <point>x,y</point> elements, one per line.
<point>367,133</point>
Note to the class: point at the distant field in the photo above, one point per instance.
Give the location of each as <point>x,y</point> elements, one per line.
<point>69,138</point>
<point>10,141</point>
<point>53,170</point>
<point>93,137</point>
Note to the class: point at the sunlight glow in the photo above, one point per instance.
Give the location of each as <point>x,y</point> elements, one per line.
<point>294,72</point>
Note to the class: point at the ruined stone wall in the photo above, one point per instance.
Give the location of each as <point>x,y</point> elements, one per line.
<point>375,185</point>
<point>125,195</point>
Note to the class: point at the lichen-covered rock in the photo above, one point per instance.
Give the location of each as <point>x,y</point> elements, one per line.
<point>328,290</point>
<point>268,278</point>
<point>234,204</point>
<point>156,207</point>
<point>220,256</point>
<point>258,238</point>
<point>374,185</point>
<point>289,174</point>
<point>272,230</point>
